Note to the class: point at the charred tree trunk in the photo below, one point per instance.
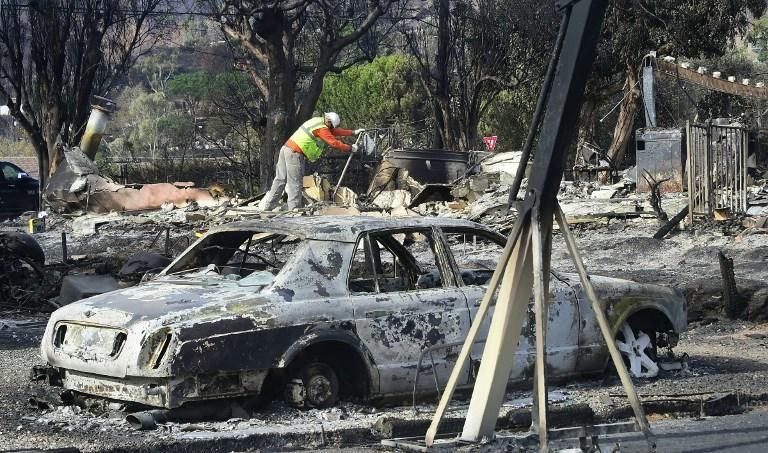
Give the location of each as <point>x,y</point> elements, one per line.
<point>627,110</point>
<point>43,159</point>
<point>449,133</point>
<point>51,138</point>
<point>280,124</point>
<point>469,125</point>
<point>588,124</point>
<point>437,133</point>
<point>279,91</point>
<point>55,157</point>
<point>442,96</point>
<point>48,154</point>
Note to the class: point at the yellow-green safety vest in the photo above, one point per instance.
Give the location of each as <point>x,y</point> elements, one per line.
<point>310,145</point>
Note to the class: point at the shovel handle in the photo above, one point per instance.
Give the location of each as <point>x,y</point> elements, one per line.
<point>344,171</point>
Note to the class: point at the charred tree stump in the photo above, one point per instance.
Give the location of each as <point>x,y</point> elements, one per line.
<point>655,197</point>
<point>732,301</point>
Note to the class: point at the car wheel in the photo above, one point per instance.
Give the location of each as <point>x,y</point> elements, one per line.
<point>638,350</point>
<point>314,386</point>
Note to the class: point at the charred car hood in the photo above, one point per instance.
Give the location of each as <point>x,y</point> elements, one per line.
<point>166,304</point>
<point>117,333</point>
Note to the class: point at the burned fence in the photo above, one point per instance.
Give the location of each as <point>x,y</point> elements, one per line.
<point>717,168</point>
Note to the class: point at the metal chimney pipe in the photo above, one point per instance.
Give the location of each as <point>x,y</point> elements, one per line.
<point>649,93</point>
<point>94,130</point>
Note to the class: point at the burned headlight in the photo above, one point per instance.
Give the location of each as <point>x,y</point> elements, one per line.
<point>155,348</point>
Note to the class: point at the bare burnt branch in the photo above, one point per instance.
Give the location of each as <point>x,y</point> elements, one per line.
<point>655,196</point>
<point>54,56</point>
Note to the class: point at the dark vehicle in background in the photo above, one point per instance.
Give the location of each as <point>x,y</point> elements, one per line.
<point>19,192</point>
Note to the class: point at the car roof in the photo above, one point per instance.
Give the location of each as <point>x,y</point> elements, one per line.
<point>11,164</point>
<point>344,228</point>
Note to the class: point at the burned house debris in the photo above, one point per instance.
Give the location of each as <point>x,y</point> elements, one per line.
<point>22,274</point>
<point>78,186</point>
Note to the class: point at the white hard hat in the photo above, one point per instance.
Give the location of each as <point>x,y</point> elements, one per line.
<point>334,118</point>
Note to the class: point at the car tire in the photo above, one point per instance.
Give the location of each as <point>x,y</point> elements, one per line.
<point>638,350</point>
<point>314,386</point>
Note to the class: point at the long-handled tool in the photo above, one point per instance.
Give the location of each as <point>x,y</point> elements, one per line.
<point>365,150</point>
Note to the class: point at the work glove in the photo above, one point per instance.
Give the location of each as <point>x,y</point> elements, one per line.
<point>354,149</point>
<point>358,131</point>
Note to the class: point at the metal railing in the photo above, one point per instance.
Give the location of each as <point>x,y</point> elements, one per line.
<point>717,169</point>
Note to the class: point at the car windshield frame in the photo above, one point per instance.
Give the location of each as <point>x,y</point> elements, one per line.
<point>211,257</point>
<point>410,265</point>
<point>19,171</point>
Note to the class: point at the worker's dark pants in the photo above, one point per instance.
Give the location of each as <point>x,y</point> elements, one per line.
<point>289,174</point>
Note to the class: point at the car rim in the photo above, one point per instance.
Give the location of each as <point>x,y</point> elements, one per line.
<point>319,389</point>
<point>634,347</point>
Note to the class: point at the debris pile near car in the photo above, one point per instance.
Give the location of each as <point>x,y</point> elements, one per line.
<point>23,282</point>
<point>76,257</point>
<point>77,186</point>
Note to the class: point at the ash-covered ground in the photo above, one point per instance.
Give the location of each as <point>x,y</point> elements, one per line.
<point>723,356</point>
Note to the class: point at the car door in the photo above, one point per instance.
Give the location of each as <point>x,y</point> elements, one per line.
<point>475,253</point>
<point>18,192</point>
<point>407,309</point>
<point>592,348</point>
<point>8,201</point>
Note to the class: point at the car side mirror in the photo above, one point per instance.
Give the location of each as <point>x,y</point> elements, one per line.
<point>24,177</point>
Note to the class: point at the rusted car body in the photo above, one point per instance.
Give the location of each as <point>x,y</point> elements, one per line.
<point>321,308</point>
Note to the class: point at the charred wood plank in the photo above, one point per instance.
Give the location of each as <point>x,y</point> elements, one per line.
<point>733,302</point>
<point>667,227</point>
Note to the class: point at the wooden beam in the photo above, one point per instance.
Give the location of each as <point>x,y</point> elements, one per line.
<point>672,70</point>
<point>485,304</point>
<point>541,259</point>
<point>501,345</point>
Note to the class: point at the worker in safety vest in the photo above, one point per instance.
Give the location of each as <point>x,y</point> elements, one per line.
<point>306,142</point>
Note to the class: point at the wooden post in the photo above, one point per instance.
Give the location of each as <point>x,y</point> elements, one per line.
<point>485,304</point>
<point>541,259</point>
<point>501,344</point>
<point>690,168</point>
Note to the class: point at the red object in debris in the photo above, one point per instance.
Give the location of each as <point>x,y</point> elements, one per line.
<point>490,142</point>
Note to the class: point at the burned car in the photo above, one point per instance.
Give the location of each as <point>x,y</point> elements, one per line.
<point>313,309</point>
